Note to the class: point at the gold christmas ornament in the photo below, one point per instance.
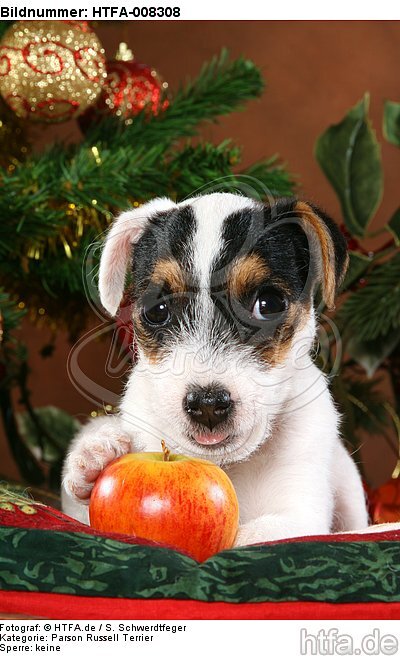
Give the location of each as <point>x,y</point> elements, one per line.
<point>50,71</point>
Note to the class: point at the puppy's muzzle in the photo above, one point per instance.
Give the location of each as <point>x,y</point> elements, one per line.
<point>208,406</point>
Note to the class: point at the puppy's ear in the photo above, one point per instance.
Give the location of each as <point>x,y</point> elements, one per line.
<point>327,247</point>
<point>123,234</point>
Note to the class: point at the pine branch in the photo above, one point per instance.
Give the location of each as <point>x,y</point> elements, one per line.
<point>58,202</point>
<point>191,169</point>
<point>12,352</point>
<point>105,177</point>
<point>375,309</point>
<point>222,87</point>
<point>36,198</point>
<point>272,176</point>
<point>194,167</point>
<point>10,315</point>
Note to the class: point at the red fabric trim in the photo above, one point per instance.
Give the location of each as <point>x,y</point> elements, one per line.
<point>47,518</point>
<point>58,606</point>
<point>374,536</point>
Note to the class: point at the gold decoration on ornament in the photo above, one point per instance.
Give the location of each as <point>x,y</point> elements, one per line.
<point>50,71</point>
<point>124,53</point>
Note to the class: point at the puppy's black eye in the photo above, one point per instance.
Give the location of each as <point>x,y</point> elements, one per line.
<point>269,303</point>
<point>157,314</point>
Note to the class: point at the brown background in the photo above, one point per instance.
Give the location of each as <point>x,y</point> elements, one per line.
<point>315,71</point>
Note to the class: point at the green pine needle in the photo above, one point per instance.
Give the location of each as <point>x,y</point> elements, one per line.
<point>375,309</point>
<point>223,86</point>
<point>114,165</point>
<point>11,315</point>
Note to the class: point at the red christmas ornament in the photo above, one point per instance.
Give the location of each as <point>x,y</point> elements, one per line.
<point>352,243</point>
<point>130,87</point>
<point>385,502</point>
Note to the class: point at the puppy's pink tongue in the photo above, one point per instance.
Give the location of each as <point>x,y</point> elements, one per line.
<point>210,438</point>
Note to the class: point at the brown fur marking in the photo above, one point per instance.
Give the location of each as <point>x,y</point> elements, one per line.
<point>247,272</point>
<point>168,272</point>
<point>275,352</point>
<point>309,218</point>
<point>147,341</point>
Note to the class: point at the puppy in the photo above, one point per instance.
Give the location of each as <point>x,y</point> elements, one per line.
<point>222,302</point>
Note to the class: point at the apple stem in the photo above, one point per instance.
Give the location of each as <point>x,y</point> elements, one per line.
<point>166,451</point>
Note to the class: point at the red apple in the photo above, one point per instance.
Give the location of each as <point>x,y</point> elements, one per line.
<point>181,502</point>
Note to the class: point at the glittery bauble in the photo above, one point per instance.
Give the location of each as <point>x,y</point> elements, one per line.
<point>130,87</point>
<point>50,71</point>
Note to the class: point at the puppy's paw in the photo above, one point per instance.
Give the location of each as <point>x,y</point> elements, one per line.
<point>88,459</point>
<point>247,534</point>
<point>273,527</point>
<point>266,528</point>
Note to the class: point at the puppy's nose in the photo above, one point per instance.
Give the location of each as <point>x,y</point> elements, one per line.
<point>208,406</point>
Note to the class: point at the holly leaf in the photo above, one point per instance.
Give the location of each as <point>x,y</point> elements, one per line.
<point>49,438</point>
<point>370,354</point>
<point>349,155</point>
<point>374,310</point>
<point>391,122</point>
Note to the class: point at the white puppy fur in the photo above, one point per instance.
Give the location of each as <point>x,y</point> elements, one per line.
<point>291,472</point>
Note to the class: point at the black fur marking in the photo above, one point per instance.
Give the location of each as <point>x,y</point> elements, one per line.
<point>233,322</point>
<point>168,234</point>
<point>273,233</point>
<point>181,308</point>
<point>283,247</point>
